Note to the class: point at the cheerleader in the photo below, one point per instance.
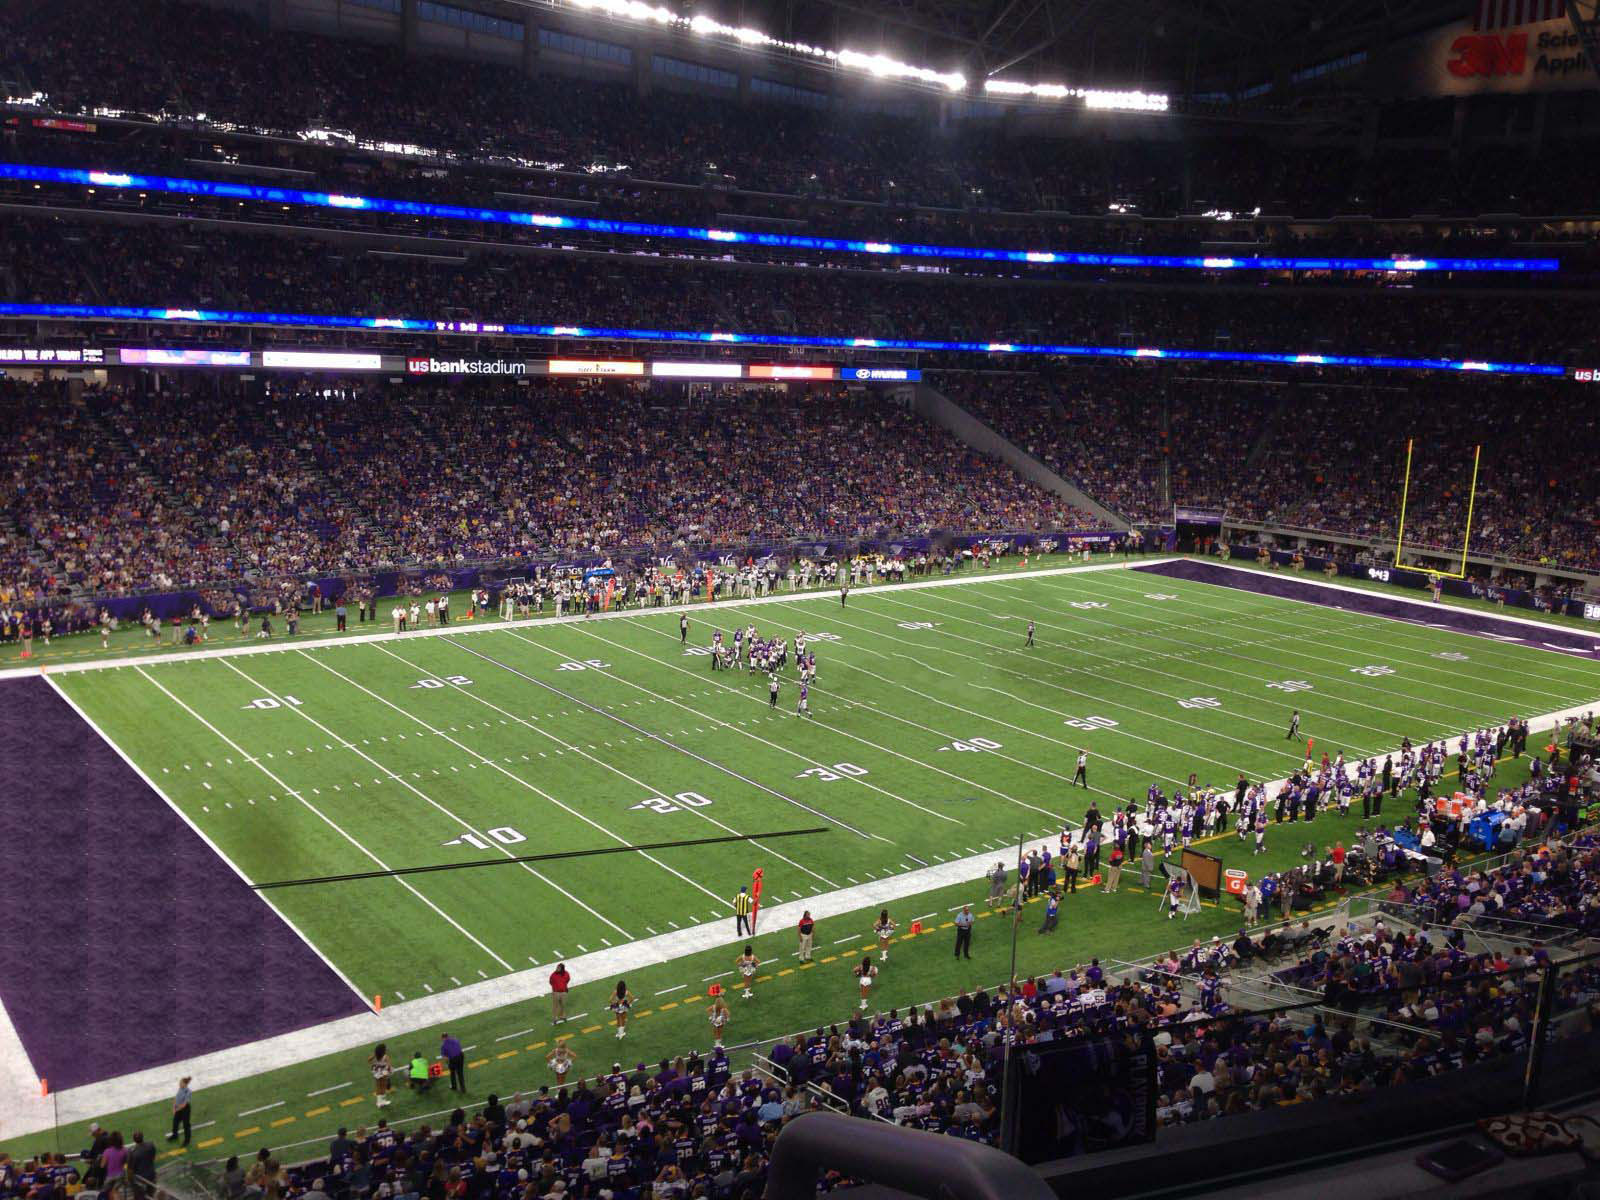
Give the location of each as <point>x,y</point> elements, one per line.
<point>718,1015</point>
<point>380,1066</point>
<point>560,1062</point>
<point>885,931</point>
<point>621,1002</point>
<point>746,965</point>
<point>865,974</point>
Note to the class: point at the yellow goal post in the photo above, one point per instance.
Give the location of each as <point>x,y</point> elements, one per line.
<point>1466,536</point>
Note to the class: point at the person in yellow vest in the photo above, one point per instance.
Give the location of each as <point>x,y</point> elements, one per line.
<point>743,906</point>
<point>421,1081</point>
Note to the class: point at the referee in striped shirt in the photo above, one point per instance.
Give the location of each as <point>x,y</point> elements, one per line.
<point>742,906</point>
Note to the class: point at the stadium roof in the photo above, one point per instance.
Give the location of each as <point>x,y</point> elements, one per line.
<point>1167,45</point>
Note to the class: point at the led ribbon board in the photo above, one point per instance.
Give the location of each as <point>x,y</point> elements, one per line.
<point>256,193</point>
<point>117,312</point>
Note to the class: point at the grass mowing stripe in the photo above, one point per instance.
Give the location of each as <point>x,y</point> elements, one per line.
<point>736,726</point>
<point>653,736</point>
<point>238,749</point>
<point>1271,750</point>
<point>1289,647</point>
<point>1072,746</point>
<point>646,787</point>
<point>1172,663</point>
<point>818,723</point>
<point>429,800</point>
<point>1233,715</point>
<point>493,765</point>
<point>1222,647</point>
<point>1345,627</point>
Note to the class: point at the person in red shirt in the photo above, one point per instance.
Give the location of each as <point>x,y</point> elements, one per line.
<point>1336,856</point>
<point>560,981</point>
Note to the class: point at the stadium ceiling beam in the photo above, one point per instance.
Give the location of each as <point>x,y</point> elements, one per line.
<point>909,18</point>
<point>1054,32</point>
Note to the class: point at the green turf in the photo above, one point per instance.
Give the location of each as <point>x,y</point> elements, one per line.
<point>564,758</point>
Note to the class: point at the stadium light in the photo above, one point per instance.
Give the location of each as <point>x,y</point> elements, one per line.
<point>1095,98</point>
<point>880,66</point>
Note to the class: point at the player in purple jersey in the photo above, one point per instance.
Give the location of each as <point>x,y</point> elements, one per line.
<point>803,708</point>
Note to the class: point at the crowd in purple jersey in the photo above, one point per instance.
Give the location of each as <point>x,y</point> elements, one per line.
<point>125,493</point>
<point>149,265</point>
<point>1318,454</point>
<point>82,57</point>
<point>696,1127</point>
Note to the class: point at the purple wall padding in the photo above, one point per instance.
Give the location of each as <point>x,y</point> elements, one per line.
<point>126,942</point>
<point>1552,637</point>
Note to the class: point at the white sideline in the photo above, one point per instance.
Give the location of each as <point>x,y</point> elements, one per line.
<point>280,643</point>
<point>30,1112</point>
<point>1424,605</point>
<point>23,1107</point>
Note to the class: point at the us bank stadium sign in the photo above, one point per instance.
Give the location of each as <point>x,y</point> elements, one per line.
<point>1476,56</point>
<point>465,366</point>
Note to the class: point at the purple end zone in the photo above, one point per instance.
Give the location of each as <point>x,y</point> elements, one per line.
<point>1441,616</point>
<point>126,942</point>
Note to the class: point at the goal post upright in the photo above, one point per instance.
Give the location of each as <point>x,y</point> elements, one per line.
<point>1466,539</point>
<point>1472,499</point>
<point>1405,492</point>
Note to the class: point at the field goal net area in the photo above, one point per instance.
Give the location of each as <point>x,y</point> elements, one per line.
<point>1438,496</point>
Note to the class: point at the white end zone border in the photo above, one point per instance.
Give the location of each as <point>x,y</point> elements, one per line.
<point>30,1113</point>
<point>1423,605</point>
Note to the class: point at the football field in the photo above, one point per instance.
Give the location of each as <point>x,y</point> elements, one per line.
<point>936,740</point>
<point>934,734</point>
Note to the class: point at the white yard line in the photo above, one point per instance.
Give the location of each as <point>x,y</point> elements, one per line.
<point>1287,650</point>
<point>489,762</point>
<point>357,1033</point>
<point>819,723</point>
<point>646,788</point>
<point>323,817</point>
<point>1173,662</point>
<point>660,739</point>
<point>399,778</point>
<point>1020,675</point>
<point>1210,668</point>
<point>1294,648</point>
<point>1076,648</point>
<point>1501,677</point>
<point>1073,746</point>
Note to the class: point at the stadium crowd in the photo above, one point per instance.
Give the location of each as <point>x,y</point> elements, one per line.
<point>224,268</point>
<point>126,492</point>
<point>784,140</point>
<point>1317,454</point>
<point>1396,1002</point>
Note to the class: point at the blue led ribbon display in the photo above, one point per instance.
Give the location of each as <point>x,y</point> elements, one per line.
<point>259,194</point>
<point>97,312</point>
